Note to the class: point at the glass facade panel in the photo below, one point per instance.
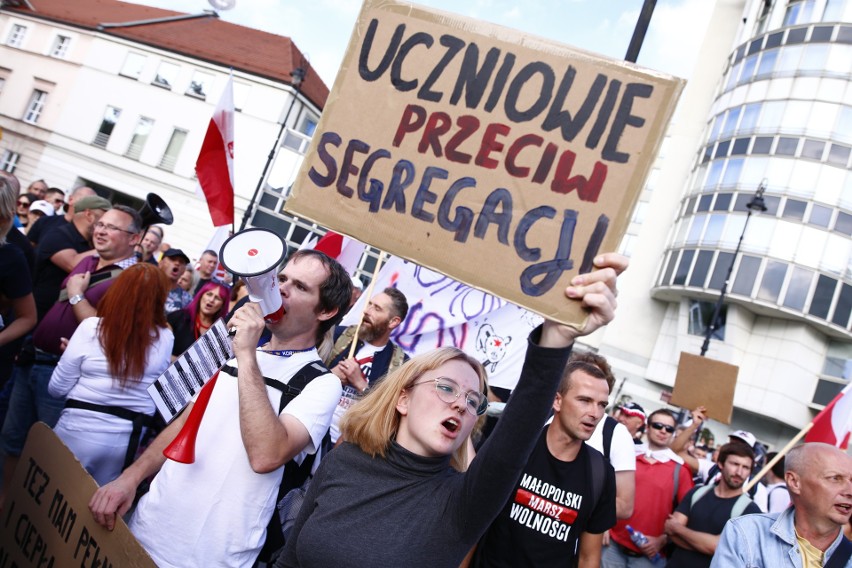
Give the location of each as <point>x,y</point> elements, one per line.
<point>723,202</point>
<point>733,230</point>
<point>754,170</point>
<point>794,209</point>
<point>749,119</point>
<point>833,10</point>
<point>683,267</point>
<point>797,288</point>
<point>820,216</point>
<point>843,224</point>
<point>746,275</point>
<point>731,122</point>
<point>787,146</point>
<point>704,202</point>
<point>740,146</point>
<point>843,309</point>
<point>772,203</point>
<point>720,270</point>
<point>715,173</point>
<point>713,233</point>
<point>767,63</point>
<point>667,278</point>
<point>701,268</point>
<point>762,145</point>
<point>773,279</point>
<point>717,127</point>
<point>749,65</point>
<point>823,295</point>
<point>697,228</point>
<point>839,155</point>
<point>837,62</point>
<point>813,149</point>
<point>822,119</point>
<point>732,172</point>
<point>788,60</point>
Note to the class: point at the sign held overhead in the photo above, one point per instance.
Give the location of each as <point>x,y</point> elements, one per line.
<point>503,160</point>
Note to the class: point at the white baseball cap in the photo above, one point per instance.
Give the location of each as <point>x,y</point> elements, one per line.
<point>42,206</point>
<point>746,437</point>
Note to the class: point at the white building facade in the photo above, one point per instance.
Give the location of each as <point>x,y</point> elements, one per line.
<point>86,106</point>
<point>771,99</point>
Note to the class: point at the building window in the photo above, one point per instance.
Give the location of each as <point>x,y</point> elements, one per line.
<point>172,152</point>
<point>107,124</point>
<point>700,314</point>
<point>133,65</point>
<point>60,46</point>
<point>200,85</point>
<point>16,35</point>
<point>833,10</point>
<point>166,75</point>
<point>35,107</point>
<point>799,12</point>
<point>9,161</point>
<point>140,135</point>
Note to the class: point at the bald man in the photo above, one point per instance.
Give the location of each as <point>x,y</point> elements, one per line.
<point>819,478</point>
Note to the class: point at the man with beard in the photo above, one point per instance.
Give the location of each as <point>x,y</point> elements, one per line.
<point>695,526</point>
<point>375,354</point>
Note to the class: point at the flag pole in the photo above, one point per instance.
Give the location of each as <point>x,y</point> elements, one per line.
<point>777,458</point>
<point>368,294</point>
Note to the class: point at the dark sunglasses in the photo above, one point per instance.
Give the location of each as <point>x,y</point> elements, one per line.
<point>661,426</point>
<point>24,203</point>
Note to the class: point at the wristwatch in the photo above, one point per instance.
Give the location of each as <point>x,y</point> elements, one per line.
<point>76,299</point>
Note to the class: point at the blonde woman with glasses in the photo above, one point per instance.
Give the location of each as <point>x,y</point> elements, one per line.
<point>397,492</point>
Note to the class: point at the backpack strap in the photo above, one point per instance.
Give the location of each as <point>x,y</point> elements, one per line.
<point>397,359</point>
<point>608,429</point>
<point>675,485</point>
<point>699,493</point>
<point>343,341</point>
<point>737,510</point>
<point>597,466</point>
<point>740,506</point>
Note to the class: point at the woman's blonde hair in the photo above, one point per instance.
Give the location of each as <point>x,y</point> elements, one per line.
<point>373,421</point>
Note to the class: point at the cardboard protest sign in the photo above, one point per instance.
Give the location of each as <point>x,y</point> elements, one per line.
<point>503,160</point>
<point>46,520</point>
<point>703,381</point>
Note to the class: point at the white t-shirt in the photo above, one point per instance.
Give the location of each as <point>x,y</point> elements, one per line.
<point>622,454</point>
<point>214,512</point>
<point>364,356</point>
<point>779,497</point>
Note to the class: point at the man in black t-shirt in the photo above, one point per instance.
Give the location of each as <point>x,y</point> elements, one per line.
<point>62,249</point>
<point>695,526</point>
<point>565,498</point>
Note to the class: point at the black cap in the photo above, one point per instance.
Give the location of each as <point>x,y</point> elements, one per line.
<point>176,252</point>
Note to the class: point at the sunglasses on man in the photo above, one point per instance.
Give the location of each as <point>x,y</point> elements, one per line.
<point>661,426</point>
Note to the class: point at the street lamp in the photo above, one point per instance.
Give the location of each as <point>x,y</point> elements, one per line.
<point>756,204</point>
<point>298,76</point>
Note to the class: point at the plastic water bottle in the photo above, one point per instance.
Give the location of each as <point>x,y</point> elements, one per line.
<point>641,540</point>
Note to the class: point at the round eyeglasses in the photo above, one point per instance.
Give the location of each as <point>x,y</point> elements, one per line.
<point>449,391</point>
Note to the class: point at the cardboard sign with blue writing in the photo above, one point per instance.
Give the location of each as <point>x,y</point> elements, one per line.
<point>503,160</point>
<point>46,519</point>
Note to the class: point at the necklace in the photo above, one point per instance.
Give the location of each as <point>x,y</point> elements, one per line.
<point>285,352</point>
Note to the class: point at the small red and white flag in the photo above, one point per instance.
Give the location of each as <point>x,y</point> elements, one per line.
<point>215,164</point>
<point>345,250</point>
<point>834,423</point>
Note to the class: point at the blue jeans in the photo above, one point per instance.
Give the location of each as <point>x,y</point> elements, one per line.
<point>613,557</point>
<point>29,403</point>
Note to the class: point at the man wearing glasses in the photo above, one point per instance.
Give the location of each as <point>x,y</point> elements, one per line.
<point>662,481</point>
<point>115,235</point>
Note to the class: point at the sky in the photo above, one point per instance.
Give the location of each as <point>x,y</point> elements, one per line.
<point>321,28</point>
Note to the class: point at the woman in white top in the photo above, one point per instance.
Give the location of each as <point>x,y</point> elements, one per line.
<point>106,369</point>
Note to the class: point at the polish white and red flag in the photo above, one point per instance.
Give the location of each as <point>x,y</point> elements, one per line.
<point>345,250</point>
<point>834,424</point>
<point>215,164</point>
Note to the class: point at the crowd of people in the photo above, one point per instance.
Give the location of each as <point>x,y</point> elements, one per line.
<point>389,451</point>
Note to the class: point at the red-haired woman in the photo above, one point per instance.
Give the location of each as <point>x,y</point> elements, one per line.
<point>190,323</point>
<point>106,369</point>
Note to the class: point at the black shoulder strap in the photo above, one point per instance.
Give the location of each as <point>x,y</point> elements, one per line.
<point>597,467</point>
<point>841,554</point>
<point>676,484</point>
<point>294,386</point>
<point>608,429</point>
